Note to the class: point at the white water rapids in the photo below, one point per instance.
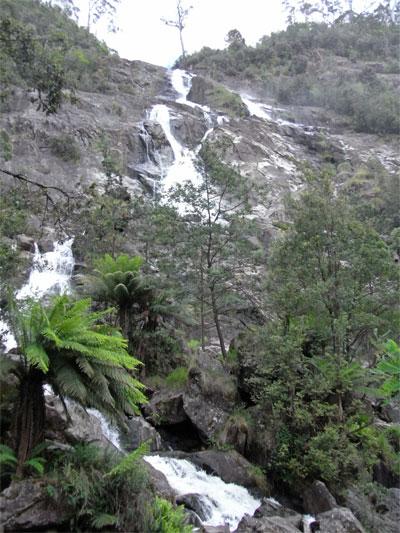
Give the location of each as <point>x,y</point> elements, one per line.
<point>222,503</point>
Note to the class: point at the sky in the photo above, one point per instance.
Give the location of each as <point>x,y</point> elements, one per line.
<point>144,36</point>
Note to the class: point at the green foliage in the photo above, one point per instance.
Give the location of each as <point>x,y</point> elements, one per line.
<point>101,490</point>
<point>65,147</point>
<point>5,146</point>
<point>320,65</point>
<point>82,358</point>
<point>168,519</point>
<point>177,378</point>
<point>129,463</point>
<point>305,365</point>
<point>122,264</point>
<point>43,50</point>
<point>8,461</point>
<point>388,370</point>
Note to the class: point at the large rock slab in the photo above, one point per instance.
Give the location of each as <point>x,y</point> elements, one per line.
<point>273,524</point>
<point>77,426</point>
<point>271,508</point>
<point>230,466</point>
<point>377,511</point>
<point>339,520</point>
<point>166,408</point>
<point>24,506</point>
<point>139,431</point>
<point>318,499</point>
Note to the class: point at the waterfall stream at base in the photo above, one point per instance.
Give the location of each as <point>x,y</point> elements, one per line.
<point>221,503</point>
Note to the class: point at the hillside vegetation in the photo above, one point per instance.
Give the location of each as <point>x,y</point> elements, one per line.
<point>348,67</point>
<point>207,325</point>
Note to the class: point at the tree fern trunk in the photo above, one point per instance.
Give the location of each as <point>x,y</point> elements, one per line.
<point>28,424</point>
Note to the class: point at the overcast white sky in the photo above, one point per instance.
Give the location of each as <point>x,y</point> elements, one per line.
<point>144,36</point>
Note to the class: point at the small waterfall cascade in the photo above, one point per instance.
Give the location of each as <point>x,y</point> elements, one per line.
<point>111,433</point>
<point>221,503</point>
<point>51,272</point>
<point>307,521</point>
<point>183,167</point>
<point>147,141</point>
<point>267,112</point>
<point>181,82</point>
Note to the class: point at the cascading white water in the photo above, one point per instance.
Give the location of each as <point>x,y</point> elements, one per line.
<point>183,168</point>
<point>222,503</point>
<point>269,113</point>
<point>51,272</point>
<point>111,433</point>
<point>181,82</point>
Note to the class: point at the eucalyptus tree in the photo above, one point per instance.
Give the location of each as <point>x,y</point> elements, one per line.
<point>213,241</point>
<point>71,348</point>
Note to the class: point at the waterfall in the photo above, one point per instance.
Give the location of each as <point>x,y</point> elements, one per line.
<point>50,273</point>
<point>183,167</point>
<point>269,113</point>
<point>221,503</point>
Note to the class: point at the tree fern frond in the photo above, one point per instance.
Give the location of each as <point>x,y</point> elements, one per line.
<point>36,356</point>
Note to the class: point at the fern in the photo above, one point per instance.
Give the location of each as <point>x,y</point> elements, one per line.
<point>129,462</point>
<point>7,457</point>
<point>81,358</point>
<point>37,464</point>
<point>103,520</point>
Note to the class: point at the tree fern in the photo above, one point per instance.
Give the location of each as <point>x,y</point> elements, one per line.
<point>65,345</point>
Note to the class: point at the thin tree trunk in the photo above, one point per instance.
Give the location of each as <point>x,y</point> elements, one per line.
<point>181,39</point>
<point>217,322</point>
<point>202,296</point>
<point>28,424</point>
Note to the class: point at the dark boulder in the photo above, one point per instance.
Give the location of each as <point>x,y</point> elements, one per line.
<point>195,503</point>
<point>230,466</point>
<point>137,432</point>
<point>166,408</point>
<point>318,499</point>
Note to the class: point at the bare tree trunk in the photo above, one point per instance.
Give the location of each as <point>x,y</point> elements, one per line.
<point>28,424</point>
<point>181,39</point>
<point>202,296</point>
<point>217,322</point>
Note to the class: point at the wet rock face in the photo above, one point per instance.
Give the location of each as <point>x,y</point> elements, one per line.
<point>24,506</point>
<point>193,502</point>
<point>79,427</point>
<point>230,466</point>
